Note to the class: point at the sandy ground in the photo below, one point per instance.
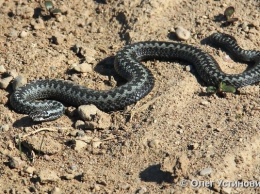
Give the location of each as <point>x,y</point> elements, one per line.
<point>175,140</point>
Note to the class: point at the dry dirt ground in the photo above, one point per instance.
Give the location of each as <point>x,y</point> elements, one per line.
<point>174,136</point>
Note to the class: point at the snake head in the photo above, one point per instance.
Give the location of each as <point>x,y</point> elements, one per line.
<point>45,115</point>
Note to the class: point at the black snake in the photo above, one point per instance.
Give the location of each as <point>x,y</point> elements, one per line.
<point>140,79</point>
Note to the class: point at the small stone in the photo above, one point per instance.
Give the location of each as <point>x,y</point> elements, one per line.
<point>90,125</point>
<point>87,112</point>
<point>90,59</point>
<point>88,53</point>
<point>124,186</point>
<point>96,143</point>
<point>74,133</point>
<point>71,111</point>
<point>58,38</point>
<point>154,143</point>
<point>4,127</point>
<point>142,190</point>
<point>74,77</point>
<point>205,103</point>
<point>182,33</point>
<point>96,187</point>
<point>80,125</point>
<point>83,68</point>
<point>30,170</point>
<point>81,133</point>
<point>5,82</point>
<point>226,190</point>
<point>188,68</point>
<point>69,176</point>
<point>46,157</point>
<point>2,69</point>
<point>23,34</point>
<point>95,119</point>
<point>56,190</point>
<point>47,176</point>
<point>18,82</point>
<point>206,171</point>
<point>193,146</point>
<point>16,162</point>
<point>245,26</point>
<point>73,167</point>
<point>79,144</point>
<point>38,24</point>
<point>59,17</point>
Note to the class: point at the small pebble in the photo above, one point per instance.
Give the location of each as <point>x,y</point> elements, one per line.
<point>78,145</point>
<point>80,125</point>
<point>23,34</point>
<point>5,82</point>
<point>205,103</point>
<point>69,176</point>
<point>95,119</point>
<point>59,18</point>
<point>19,81</point>
<point>182,33</point>
<point>205,171</point>
<point>245,26</point>
<point>73,167</point>
<point>4,127</point>
<point>84,51</point>
<point>2,69</point>
<point>193,146</point>
<point>71,111</point>
<point>90,59</point>
<point>38,24</point>
<point>56,190</point>
<point>154,143</point>
<point>96,144</point>
<point>74,133</point>
<point>47,176</point>
<point>142,190</point>
<point>30,170</point>
<point>226,190</point>
<point>81,133</point>
<point>57,38</point>
<point>96,187</point>
<point>87,112</point>
<point>188,68</point>
<point>16,162</point>
<point>83,68</point>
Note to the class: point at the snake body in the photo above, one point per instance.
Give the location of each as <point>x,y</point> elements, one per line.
<point>140,79</point>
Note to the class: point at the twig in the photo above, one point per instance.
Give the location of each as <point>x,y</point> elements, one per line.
<point>39,130</point>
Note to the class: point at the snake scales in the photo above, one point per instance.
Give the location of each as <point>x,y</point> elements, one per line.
<point>140,79</point>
